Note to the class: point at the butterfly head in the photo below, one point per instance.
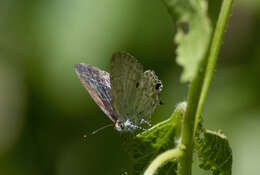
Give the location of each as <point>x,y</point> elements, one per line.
<point>126,126</point>
<point>119,125</point>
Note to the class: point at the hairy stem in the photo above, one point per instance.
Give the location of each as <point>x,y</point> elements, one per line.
<point>213,54</point>
<point>198,90</point>
<point>185,163</point>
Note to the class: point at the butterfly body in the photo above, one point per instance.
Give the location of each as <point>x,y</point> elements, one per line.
<point>127,95</point>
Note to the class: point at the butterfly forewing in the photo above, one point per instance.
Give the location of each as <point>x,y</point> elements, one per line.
<point>125,73</point>
<point>97,83</point>
<point>135,94</point>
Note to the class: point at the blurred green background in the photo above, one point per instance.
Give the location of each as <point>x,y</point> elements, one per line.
<point>45,111</point>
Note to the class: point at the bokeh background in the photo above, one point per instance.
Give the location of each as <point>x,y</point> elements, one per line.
<point>45,111</point>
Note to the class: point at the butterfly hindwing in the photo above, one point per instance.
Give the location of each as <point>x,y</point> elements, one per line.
<point>148,95</point>
<point>97,83</point>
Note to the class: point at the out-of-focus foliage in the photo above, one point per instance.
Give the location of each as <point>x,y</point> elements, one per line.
<point>193,34</point>
<point>45,111</point>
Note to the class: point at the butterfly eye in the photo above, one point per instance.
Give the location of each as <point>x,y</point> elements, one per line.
<point>157,86</point>
<point>137,85</point>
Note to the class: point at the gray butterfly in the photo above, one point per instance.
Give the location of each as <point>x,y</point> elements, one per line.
<point>128,96</point>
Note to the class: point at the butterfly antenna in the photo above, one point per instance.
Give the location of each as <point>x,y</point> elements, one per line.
<point>97,130</point>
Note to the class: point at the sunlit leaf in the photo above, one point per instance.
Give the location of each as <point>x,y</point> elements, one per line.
<point>193,33</point>
<point>214,152</point>
<point>147,145</point>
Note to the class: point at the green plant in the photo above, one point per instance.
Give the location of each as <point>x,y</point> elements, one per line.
<point>167,148</point>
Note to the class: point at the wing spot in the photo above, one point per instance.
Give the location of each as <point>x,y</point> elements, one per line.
<point>137,85</point>
<point>157,86</point>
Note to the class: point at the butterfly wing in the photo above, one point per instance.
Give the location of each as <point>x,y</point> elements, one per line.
<point>148,96</point>
<point>134,92</point>
<point>125,73</point>
<point>97,83</point>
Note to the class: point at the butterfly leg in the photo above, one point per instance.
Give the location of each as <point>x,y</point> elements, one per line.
<point>145,122</point>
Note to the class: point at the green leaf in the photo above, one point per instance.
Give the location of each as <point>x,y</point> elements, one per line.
<point>147,145</point>
<point>193,33</point>
<point>214,152</point>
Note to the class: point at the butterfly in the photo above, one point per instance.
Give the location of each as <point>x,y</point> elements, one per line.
<point>128,95</point>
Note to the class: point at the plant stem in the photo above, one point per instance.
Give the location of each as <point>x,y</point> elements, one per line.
<point>185,163</point>
<point>213,54</point>
<point>198,90</point>
<point>162,158</point>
